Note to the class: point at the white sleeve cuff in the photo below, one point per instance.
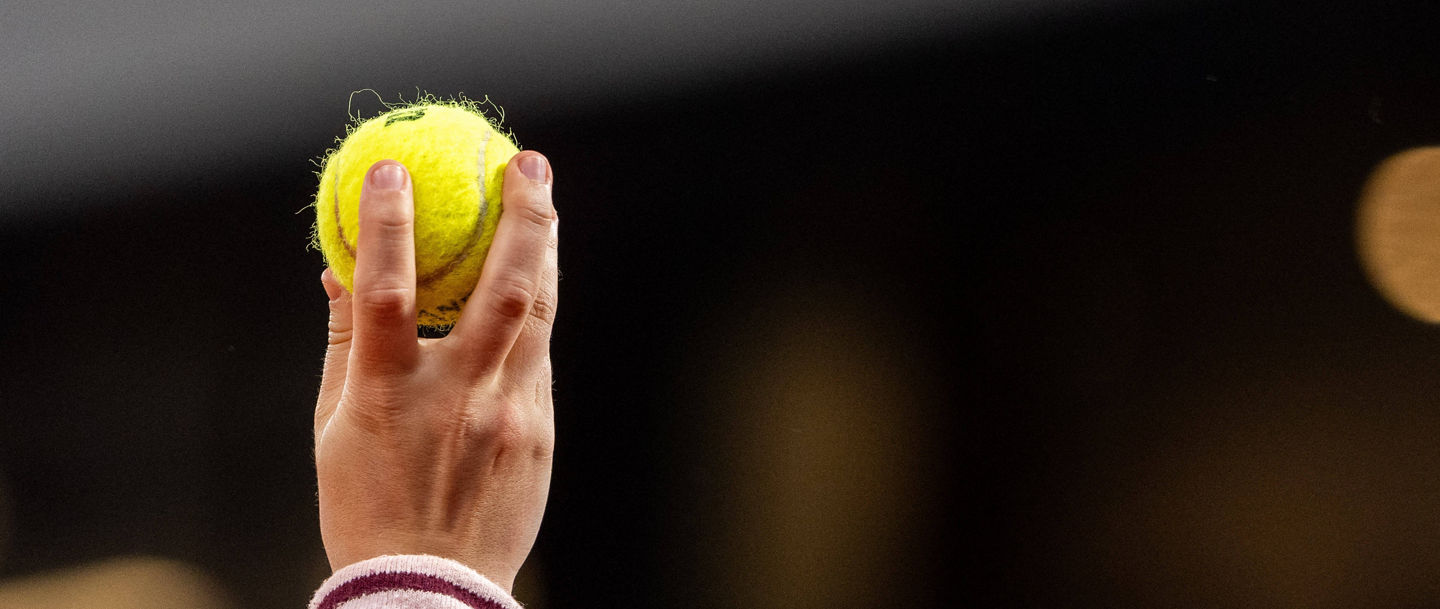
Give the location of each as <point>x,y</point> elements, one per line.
<point>410,582</point>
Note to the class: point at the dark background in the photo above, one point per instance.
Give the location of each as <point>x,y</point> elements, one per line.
<point>1064,310</point>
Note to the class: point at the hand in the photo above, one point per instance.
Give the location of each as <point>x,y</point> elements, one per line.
<point>440,446</point>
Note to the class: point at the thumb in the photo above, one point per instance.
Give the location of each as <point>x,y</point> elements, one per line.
<point>337,353</point>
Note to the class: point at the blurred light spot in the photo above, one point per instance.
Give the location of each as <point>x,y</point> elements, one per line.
<point>1268,486</point>
<point>1398,232</point>
<point>825,453</point>
<point>121,583</point>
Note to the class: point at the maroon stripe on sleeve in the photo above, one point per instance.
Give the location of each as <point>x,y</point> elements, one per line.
<point>385,582</point>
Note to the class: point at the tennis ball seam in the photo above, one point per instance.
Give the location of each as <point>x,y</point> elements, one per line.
<point>477,230</point>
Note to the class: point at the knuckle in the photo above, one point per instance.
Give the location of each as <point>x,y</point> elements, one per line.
<point>543,439</point>
<point>511,423</point>
<point>390,220</point>
<point>384,302</point>
<point>509,427</point>
<point>339,334</point>
<point>386,245</point>
<point>543,447</point>
<point>387,211</point>
<point>387,227</point>
<point>543,309</point>
<point>533,211</point>
<point>511,297</point>
<point>502,426</point>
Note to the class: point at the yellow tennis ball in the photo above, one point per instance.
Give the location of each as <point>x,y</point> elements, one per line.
<point>456,160</point>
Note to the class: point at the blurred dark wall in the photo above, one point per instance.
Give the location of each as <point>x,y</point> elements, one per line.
<point>1066,313</point>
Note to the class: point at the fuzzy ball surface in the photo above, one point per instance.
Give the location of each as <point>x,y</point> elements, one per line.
<point>456,159</point>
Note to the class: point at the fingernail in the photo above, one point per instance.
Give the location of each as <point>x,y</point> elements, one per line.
<point>389,176</point>
<point>533,166</point>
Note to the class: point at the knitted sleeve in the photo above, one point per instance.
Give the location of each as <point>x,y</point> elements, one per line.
<point>410,582</point>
